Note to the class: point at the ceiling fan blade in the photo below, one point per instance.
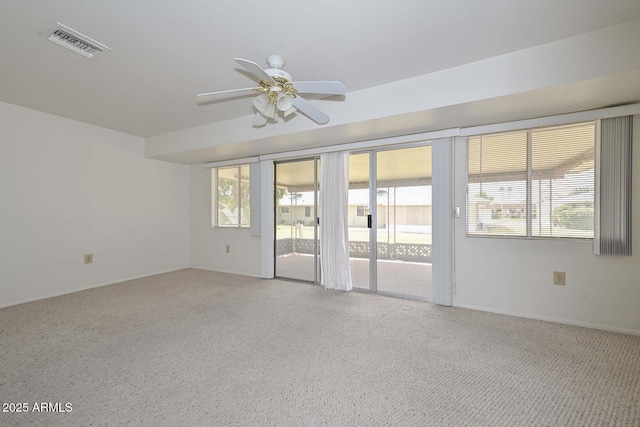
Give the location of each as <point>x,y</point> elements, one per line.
<point>310,111</point>
<point>213,96</point>
<point>326,88</point>
<point>254,69</point>
<point>259,120</point>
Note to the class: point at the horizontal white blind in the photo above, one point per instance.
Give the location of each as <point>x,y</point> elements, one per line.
<point>534,183</point>
<point>496,200</point>
<point>562,181</point>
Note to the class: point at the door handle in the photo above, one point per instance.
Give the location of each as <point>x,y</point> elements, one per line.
<point>369,221</point>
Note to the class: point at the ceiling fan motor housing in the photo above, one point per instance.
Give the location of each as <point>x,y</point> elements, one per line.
<point>276,72</point>
<point>276,62</point>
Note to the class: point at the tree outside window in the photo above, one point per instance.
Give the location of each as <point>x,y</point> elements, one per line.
<point>232,192</point>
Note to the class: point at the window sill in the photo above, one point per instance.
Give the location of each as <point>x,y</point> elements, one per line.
<point>551,238</point>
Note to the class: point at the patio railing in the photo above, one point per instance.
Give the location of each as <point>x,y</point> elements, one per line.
<point>414,252</point>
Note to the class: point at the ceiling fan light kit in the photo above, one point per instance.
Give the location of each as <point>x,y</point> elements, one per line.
<point>284,102</point>
<point>260,102</point>
<point>277,93</point>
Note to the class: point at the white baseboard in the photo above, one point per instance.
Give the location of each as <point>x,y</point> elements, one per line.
<point>99,285</point>
<point>551,319</point>
<point>228,272</point>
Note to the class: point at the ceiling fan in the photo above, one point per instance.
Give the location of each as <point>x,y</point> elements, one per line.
<point>277,93</point>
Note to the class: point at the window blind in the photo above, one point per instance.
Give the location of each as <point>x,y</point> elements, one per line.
<point>532,183</point>
<point>563,181</point>
<point>614,187</point>
<point>497,193</point>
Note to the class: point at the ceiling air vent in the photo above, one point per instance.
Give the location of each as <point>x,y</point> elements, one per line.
<point>75,41</point>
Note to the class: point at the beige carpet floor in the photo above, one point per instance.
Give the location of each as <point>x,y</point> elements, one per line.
<point>200,348</point>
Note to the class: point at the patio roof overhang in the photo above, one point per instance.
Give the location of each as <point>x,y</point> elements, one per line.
<point>555,152</point>
<point>401,167</point>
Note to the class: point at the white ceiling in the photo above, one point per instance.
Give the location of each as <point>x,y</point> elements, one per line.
<point>164,52</point>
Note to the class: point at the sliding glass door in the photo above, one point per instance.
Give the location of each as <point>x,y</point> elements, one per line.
<point>359,220</point>
<point>390,217</point>
<point>296,212</point>
<point>404,217</point>
<point>389,220</point>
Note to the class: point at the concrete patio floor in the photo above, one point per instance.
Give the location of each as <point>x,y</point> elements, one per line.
<point>394,276</point>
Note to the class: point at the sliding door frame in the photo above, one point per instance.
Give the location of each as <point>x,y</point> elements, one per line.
<point>442,220</point>
<point>316,252</point>
<point>373,210</point>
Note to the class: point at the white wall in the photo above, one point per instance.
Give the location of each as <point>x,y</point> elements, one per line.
<point>514,276</point>
<point>511,276</point>
<point>609,51</point>
<point>69,188</point>
<point>208,243</point>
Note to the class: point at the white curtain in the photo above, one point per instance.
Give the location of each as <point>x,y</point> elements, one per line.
<point>334,238</point>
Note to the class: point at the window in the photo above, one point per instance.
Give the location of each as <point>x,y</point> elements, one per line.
<point>285,209</point>
<point>532,183</point>
<point>231,196</point>
<point>307,211</point>
<point>362,210</point>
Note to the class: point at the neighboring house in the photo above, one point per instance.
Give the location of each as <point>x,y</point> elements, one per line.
<point>296,209</point>
<point>479,213</point>
<point>412,208</point>
<point>508,209</point>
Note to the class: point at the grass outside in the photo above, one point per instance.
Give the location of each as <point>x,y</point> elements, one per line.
<point>518,227</point>
<point>356,234</point>
<point>506,227</point>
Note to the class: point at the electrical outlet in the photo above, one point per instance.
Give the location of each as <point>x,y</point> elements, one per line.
<point>228,249</point>
<point>559,278</point>
<point>88,258</point>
